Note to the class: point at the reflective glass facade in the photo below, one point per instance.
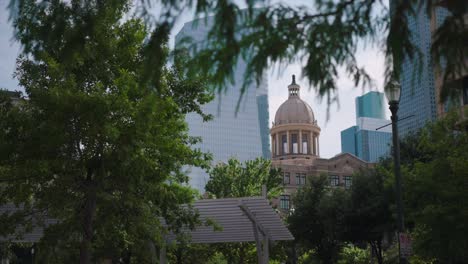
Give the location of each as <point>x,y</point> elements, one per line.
<point>372,145</point>
<point>371,104</point>
<point>363,140</point>
<point>418,91</point>
<point>348,140</point>
<point>244,135</point>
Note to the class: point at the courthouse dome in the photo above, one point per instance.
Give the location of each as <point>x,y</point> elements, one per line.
<point>294,110</point>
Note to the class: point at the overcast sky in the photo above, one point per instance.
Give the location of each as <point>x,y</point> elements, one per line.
<point>341,117</point>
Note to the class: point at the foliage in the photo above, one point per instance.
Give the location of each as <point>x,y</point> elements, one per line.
<point>185,252</point>
<point>369,216</point>
<point>354,255</point>
<point>318,220</point>
<point>435,191</point>
<point>98,143</point>
<point>218,258</point>
<point>236,179</point>
<point>326,219</point>
<point>324,37</point>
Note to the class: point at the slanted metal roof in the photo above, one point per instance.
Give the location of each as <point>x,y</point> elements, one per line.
<point>231,215</point>
<point>31,236</point>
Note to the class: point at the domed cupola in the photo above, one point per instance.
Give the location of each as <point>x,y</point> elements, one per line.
<point>295,132</point>
<point>294,110</point>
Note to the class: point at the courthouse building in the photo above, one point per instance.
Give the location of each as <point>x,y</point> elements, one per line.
<point>296,149</point>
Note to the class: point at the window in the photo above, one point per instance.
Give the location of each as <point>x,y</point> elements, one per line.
<point>284,140</point>
<point>305,144</point>
<point>300,178</point>
<point>286,178</point>
<point>348,181</point>
<point>284,201</point>
<point>334,180</point>
<point>294,144</point>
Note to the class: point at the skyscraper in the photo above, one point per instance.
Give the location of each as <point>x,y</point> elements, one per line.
<point>371,104</point>
<point>245,134</point>
<point>419,96</point>
<point>362,140</point>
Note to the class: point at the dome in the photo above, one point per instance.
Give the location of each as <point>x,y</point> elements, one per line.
<point>294,110</point>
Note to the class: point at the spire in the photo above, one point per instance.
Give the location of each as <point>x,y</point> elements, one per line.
<point>293,87</point>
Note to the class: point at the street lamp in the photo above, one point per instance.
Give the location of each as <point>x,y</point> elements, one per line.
<point>392,92</point>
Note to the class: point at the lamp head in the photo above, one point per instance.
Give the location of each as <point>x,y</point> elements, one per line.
<point>393,92</point>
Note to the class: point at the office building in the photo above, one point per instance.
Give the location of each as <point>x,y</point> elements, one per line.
<point>459,81</point>
<point>363,140</point>
<point>296,150</point>
<point>242,134</point>
<point>419,94</point>
<point>371,104</point>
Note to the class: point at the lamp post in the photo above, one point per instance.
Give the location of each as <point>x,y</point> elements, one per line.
<point>392,93</point>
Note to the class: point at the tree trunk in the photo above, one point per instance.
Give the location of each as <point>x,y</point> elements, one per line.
<point>87,222</point>
<point>376,248</point>
<point>379,250</point>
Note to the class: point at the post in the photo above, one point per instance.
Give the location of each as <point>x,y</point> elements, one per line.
<point>396,160</point>
<point>265,251</point>
<point>162,253</point>
<point>264,191</point>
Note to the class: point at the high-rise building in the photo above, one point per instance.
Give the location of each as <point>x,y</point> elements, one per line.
<point>460,80</point>
<point>419,96</point>
<point>363,140</point>
<point>243,134</point>
<point>371,104</point>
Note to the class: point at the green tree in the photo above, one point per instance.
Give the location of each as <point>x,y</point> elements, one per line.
<point>98,142</point>
<point>319,218</point>
<point>369,216</point>
<point>354,255</point>
<point>435,192</point>
<point>236,179</point>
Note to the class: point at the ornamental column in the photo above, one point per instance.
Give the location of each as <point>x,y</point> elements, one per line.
<point>277,144</point>
<point>312,139</point>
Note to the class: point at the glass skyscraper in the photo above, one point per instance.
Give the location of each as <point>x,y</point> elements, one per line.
<point>362,140</point>
<point>371,104</point>
<point>418,90</point>
<point>245,134</point>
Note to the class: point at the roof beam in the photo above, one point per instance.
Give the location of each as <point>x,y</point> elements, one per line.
<point>252,218</point>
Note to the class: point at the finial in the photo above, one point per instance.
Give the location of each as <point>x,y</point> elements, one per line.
<point>293,79</point>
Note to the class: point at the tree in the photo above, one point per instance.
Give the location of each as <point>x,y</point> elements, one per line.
<point>435,192</point>
<point>369,216</point>
<point>354,255</point>
<point>236,179</point>
<point>318,220</point>
<point>324,37</point>
<point>98,142</point>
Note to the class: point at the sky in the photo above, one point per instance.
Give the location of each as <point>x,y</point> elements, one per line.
<point>341,116</point>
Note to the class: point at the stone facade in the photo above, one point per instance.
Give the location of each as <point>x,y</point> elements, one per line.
<point>295,149</point>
